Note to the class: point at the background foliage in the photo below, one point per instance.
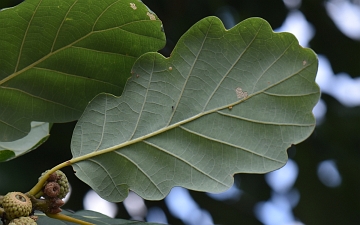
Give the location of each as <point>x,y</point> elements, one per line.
<point>336,138</point>
<point>60,92</point>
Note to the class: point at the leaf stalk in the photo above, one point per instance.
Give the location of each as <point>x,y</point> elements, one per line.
<point>63,217</point>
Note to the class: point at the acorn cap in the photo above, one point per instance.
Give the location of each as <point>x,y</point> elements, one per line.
<point>16,204</point>
<point>63,182</point>
<point>23,221</point>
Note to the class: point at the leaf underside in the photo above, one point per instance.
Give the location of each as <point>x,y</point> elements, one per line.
<point>88,216</point>
<point>225,102</point>
<point>56,55</point>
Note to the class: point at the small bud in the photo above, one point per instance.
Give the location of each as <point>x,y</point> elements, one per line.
<point>52,189</point>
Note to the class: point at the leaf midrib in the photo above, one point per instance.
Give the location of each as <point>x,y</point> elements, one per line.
<point>172,126</point>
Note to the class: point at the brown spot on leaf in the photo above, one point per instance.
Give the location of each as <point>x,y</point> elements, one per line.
<point>151,16</point>
<point>133,6</point>
<point>240,93</point>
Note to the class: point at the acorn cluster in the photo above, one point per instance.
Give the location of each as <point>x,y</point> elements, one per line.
<point>55,189</point>
<point>16,208</point>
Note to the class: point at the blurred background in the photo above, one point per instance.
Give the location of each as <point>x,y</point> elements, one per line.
<point>320,184</point>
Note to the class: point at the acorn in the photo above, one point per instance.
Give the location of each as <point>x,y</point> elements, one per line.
<point>60,178</point>
<point>16,204</point>
<point>23,221</point>
<point>64,184</point>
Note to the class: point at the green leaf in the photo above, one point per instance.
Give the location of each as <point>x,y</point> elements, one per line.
<point>56,55</point>
<point>225,102</point>
<point>89,216</point>
<point>6,155</point>
<point>39,134</point>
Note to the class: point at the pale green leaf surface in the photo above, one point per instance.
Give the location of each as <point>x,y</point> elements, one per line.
<point>88,216</point>
<point>56,55</point>
<point>225,102</point>
<point>39,134</point>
